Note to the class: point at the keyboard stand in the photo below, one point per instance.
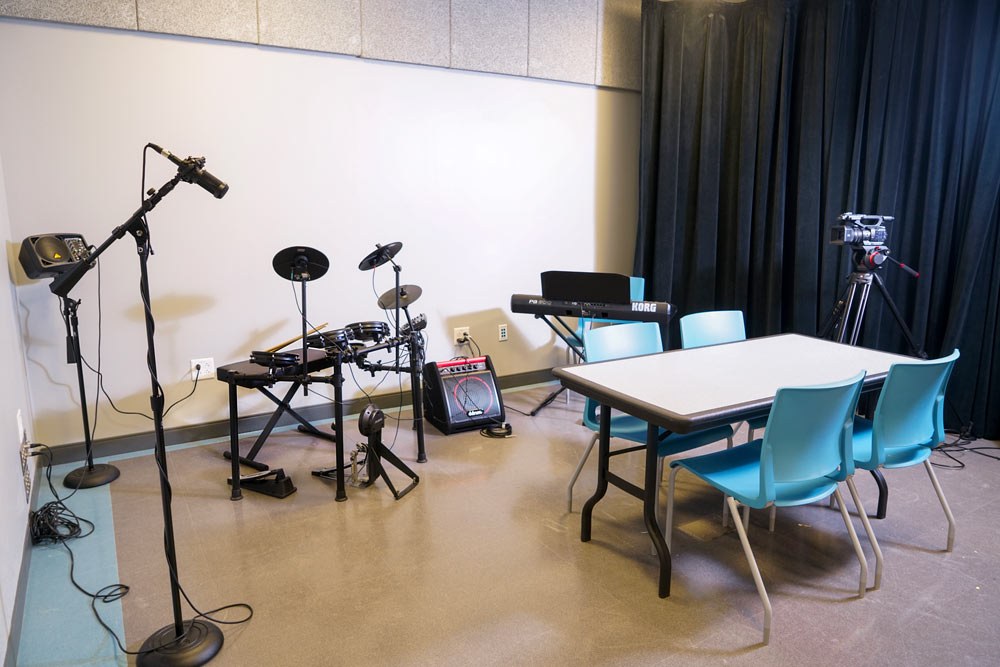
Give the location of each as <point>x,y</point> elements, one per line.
<point>573,342</point>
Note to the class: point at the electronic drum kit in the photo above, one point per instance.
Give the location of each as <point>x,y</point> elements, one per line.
<point>353,344</point>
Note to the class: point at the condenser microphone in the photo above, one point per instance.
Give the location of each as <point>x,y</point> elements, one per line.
<point>194,172</point>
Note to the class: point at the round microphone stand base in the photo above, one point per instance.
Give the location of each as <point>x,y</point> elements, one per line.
<point>87,477</point>
<point>200,643</point>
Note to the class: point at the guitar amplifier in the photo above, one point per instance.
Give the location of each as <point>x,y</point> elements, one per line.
<point>462,394</point>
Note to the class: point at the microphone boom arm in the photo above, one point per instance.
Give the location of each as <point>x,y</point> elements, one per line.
<point>65,282</point>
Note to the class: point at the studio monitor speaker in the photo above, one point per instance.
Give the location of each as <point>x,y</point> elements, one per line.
<point>462,394</point>
<point>48,255</point>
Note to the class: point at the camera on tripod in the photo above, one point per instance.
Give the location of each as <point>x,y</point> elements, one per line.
<point>860,230</point>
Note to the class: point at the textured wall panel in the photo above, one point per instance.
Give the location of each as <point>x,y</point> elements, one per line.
<point>234,20</point>
<point>562,40</point>
<point>317,25</point>
<point>619,43</point>
<point>409,31</point>
<point>104,13</point>
<point>490,36</point>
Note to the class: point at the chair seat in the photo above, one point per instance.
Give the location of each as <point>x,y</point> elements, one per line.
<point>736,472</point>
<point>895,457</point>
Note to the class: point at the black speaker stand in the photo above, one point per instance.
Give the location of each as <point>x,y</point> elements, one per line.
<point>89,475</point>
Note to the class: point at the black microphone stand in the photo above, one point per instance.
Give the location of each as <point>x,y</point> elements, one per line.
<point>87,476</point>
<point>187,643</point>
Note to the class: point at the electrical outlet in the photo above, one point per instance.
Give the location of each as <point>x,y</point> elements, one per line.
<point>207,370</point>
<point>461,334</point>
<point>502,332</point>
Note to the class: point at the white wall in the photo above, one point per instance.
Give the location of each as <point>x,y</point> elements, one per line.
<point>487,180</point>
<point>13,397</point>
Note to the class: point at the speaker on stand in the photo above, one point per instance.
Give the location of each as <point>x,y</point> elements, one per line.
<point>462,394</point>
<point>51,256</point>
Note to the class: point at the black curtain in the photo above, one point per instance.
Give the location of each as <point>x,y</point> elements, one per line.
<point>762,121</point>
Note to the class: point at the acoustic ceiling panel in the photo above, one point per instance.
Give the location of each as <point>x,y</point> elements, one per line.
<point>409,31</point>
<point>333,26</point>
<point>234,20</point>
<point>104,13</point>
<point>490,36</point>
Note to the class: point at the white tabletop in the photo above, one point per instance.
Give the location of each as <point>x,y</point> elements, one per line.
<point>684,390</point>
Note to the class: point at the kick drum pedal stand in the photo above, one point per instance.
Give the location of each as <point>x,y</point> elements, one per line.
<point>370,424</point>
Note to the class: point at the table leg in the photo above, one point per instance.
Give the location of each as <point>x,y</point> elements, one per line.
<point>234,442</point>
<point>652,481</point>
<point>603,455</point>
<point>883,494</point>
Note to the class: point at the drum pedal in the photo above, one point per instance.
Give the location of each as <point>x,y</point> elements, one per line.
<point>272,483</point>
<point>359,471</point>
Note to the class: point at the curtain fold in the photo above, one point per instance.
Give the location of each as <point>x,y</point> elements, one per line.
<point>762,121</point>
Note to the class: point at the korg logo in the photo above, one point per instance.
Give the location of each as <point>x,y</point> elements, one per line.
<point>643,307</point>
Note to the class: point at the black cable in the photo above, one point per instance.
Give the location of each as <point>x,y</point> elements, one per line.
<point>961,444</point>
<point>55,523</point>
<point>473,344</point>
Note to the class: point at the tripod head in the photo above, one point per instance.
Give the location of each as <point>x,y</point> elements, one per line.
<point>867,260</point>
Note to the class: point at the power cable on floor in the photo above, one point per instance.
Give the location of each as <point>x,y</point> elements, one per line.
<point>55,523</point>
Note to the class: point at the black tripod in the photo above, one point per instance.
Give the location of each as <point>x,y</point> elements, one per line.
<point>848,316</point>
<point>849,311</point>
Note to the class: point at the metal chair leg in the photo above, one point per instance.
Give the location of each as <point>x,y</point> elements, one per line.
<point>868,530</point>
<point>772,513</point>
<point>752,562</point>
<point>863,584</point>
<point>944,504</point>
<point>576,473</point>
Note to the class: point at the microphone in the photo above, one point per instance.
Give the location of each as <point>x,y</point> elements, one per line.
<point>194,172</point>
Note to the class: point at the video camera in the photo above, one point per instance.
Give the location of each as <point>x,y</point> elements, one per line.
<point>860,230</point>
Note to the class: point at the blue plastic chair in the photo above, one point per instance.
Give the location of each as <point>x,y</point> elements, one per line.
<point>629,340</point>
<point>804,454</point>
<point>907,425</point>
<point>715,327</point>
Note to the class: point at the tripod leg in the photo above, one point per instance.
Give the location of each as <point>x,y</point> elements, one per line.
<point>907,334</point>
<point>836,315</point>
<point>859,312</point>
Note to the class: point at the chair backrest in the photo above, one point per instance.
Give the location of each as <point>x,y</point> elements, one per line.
<point>615,342</point>
<point>637,288</point>
<point>712,327</point>
<point>910,409</point>
<point>809,434</point>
